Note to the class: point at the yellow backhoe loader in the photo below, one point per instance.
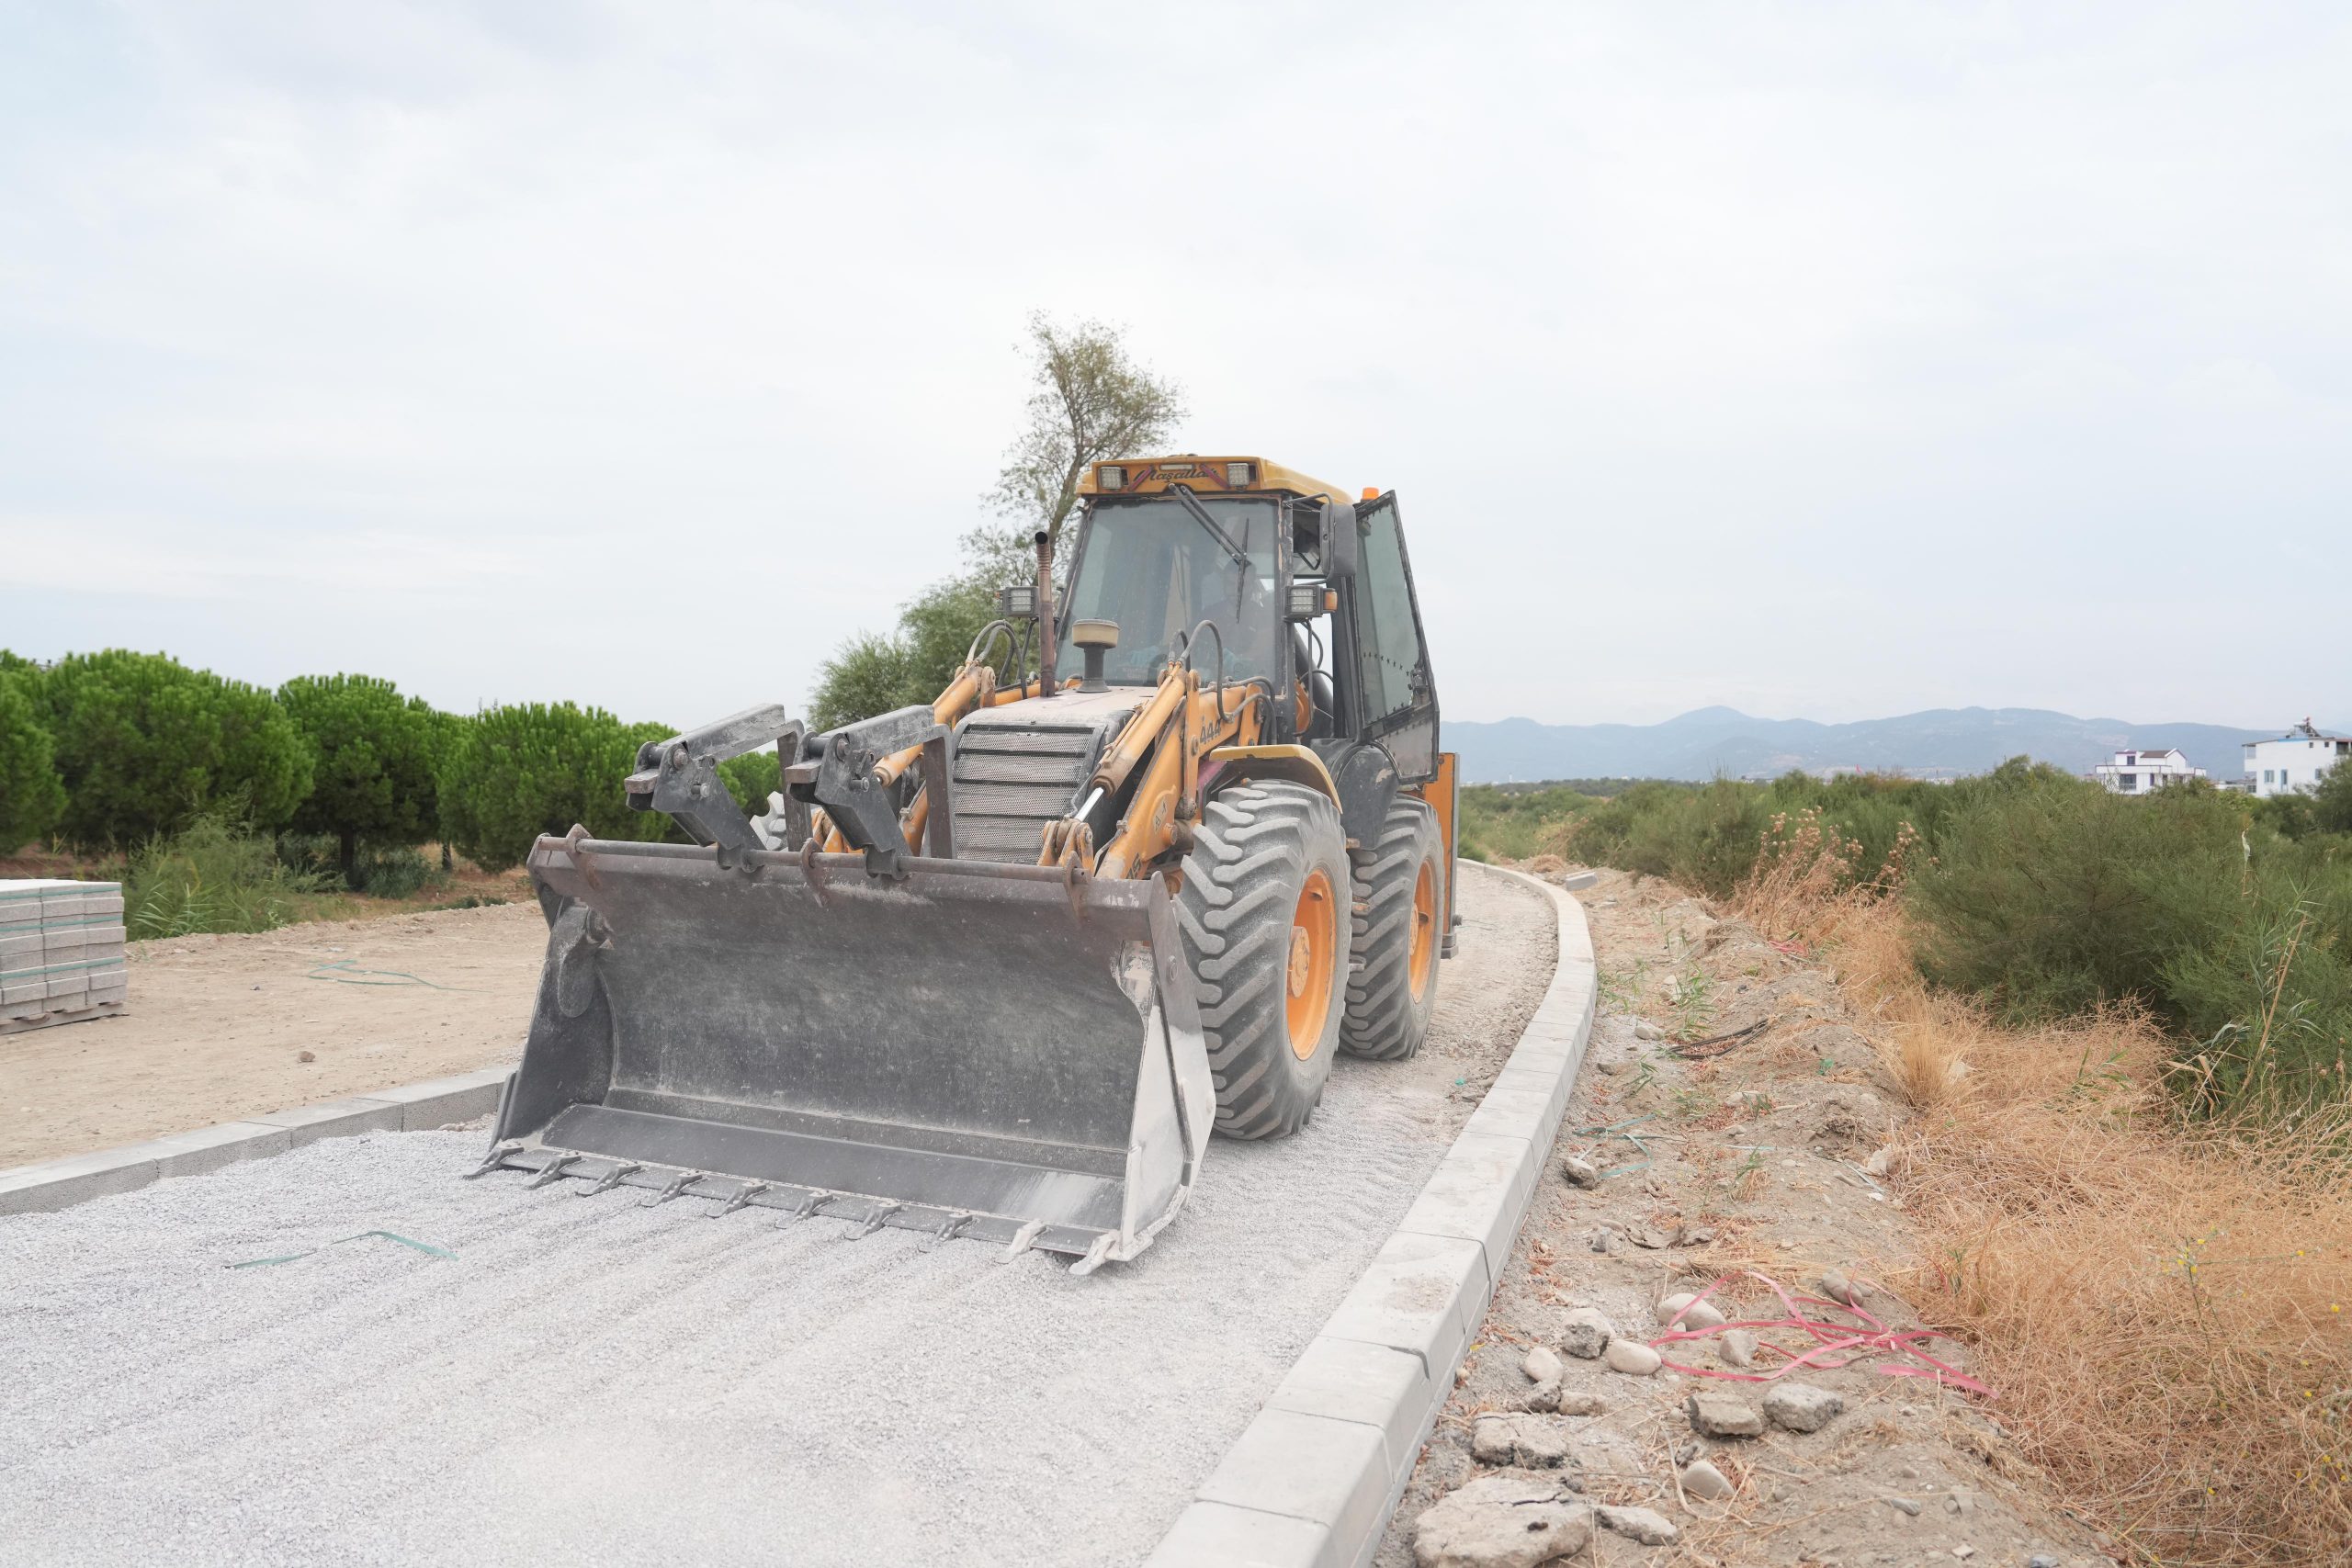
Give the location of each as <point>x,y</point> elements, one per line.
<point>1167,843</point>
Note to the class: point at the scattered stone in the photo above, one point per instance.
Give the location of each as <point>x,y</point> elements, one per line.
<point>1612,1069</point>
<point>1499,1522</point>
<point>1803,1407</point>
<point>1586,1333</point>
<point>1880,1163</point>
<point>1646,1525</point>
<point>1644,1030</point>
<point>1581,1172</point>
<point>1704,1480</point>
<point>1543,1398</point>
<point>1632,1358</point>
<point>1835,1286</point>
<point>1724,1416</point>
<point>1964,1552</point>
<point>1642,1236</point>
<point>1576,1401</point>
<point>1541,1364</point>
<point>1902,1506</point>
<point>1528,1440</point>
<point>1602,1239</point>
<point>1962,1501</point>
<point>2042,1560</point>
<point>1695,1314</point>
<point>1695,1235</point>
<point>306,1056</point>
<point>1738,1348</point>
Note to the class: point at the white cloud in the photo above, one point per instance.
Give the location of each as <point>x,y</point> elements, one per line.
<point>1826,362</point>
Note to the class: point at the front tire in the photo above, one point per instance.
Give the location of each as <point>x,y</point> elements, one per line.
<point>1264,918</point>
<point>1399,888</point>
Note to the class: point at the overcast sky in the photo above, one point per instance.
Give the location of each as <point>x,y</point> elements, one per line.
<point>1827,361</point>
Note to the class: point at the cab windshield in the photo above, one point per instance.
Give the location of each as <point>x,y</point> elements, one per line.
<point>1158,571</point>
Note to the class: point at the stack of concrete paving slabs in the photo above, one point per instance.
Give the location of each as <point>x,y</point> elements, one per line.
<point>61,951</point>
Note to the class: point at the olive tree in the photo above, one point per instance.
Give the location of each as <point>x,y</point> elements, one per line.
<point>1092,401</point>
<point>144,744</point>
<point>374,751</point>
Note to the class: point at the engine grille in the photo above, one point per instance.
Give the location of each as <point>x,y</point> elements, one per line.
<point>1009,782</point>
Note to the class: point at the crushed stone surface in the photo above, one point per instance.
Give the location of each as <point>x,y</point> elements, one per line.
<point>592,1381</point>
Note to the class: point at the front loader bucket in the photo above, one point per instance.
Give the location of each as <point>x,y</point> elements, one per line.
<point>976,1050</point>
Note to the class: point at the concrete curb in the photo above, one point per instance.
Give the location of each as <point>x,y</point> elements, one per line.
<point>61,1183</point>
<point>1312,1481</point>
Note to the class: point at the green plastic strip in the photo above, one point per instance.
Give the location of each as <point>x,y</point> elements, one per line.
<point>424,1246</point>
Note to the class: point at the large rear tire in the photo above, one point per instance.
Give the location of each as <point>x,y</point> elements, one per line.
<point>1262,914</point>
<point>1399,889</point>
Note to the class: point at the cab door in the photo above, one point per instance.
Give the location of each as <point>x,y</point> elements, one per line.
<point>1396,696</point>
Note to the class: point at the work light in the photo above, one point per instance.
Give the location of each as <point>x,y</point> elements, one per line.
<point>1305,601</point>
<point>1017,603</point>
<point>1110,475</point>
<point>1238,475</point>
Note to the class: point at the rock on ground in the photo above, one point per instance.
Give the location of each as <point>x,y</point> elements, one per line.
<point>1724,1416</point>
<point>1801,1407</point>
<point>1738,1345</point>
<point>1632,1358</point>
<point>1586,1333</point>
<point>1541,1364</point>
<point>1528,1440</point>
<point>1646,1525</point>
<point>1704,1480</point>
<point>1695,1314</point>
<point>1499,1522</point>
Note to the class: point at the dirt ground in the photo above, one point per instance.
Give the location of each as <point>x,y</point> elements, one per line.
<point>1754,1154</point>
<point>218,1026</point>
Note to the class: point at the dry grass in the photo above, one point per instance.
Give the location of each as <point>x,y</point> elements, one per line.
<point>2165,1307</point>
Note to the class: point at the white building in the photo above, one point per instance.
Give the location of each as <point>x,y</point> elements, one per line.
<point>2134,771</point>
<point>2295,762</point>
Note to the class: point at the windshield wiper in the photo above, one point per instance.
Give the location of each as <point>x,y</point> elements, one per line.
<point>1200,515</point>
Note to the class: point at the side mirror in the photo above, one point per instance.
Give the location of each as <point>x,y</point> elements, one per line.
<point>1340,544</point>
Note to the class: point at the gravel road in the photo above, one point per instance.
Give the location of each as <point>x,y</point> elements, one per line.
<point>591,1380</point>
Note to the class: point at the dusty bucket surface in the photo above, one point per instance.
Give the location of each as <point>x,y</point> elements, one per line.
<point>976,1050</point>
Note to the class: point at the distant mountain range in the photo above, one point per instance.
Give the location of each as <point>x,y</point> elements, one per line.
<point>1714,741</point>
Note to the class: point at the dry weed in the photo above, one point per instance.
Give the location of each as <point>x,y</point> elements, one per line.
<point>2165,1307</point>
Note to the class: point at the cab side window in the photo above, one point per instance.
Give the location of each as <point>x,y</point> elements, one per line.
<point>1392,669</point>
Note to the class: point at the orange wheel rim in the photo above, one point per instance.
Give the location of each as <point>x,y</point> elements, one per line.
<point>1314,956</point>
<point>1424,960</point>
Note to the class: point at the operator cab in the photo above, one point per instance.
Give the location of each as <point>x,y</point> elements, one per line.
<point>1275,574</point>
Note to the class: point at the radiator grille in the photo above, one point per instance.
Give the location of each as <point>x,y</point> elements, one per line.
<point>1009,782</point>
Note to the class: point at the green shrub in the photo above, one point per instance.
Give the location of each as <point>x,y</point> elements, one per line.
<point>2052,896</point>
<point>1512,823</point>
<point>873,673</point>
<point>146,745</point>
<point>372,781</point>
<point>515,772</point>
<point>32,798</point>
<point>211,875</point>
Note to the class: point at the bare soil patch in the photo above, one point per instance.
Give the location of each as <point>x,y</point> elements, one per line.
<point>218,1026</point>
<point>1731,1110</point>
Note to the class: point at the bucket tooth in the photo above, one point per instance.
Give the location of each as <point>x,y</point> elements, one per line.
<point>493,1160</point>
<point>875,1219</point>
<point>554,1170</point>
<point>743,1194</point>
<point>678,1184</point>
<point>1023,1240</point>
<point>621,1171</point>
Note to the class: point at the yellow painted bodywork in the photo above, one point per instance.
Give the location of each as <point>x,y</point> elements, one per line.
<point>1152,475</point>
<point>1295,763</point>
<point>1440,791</point>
